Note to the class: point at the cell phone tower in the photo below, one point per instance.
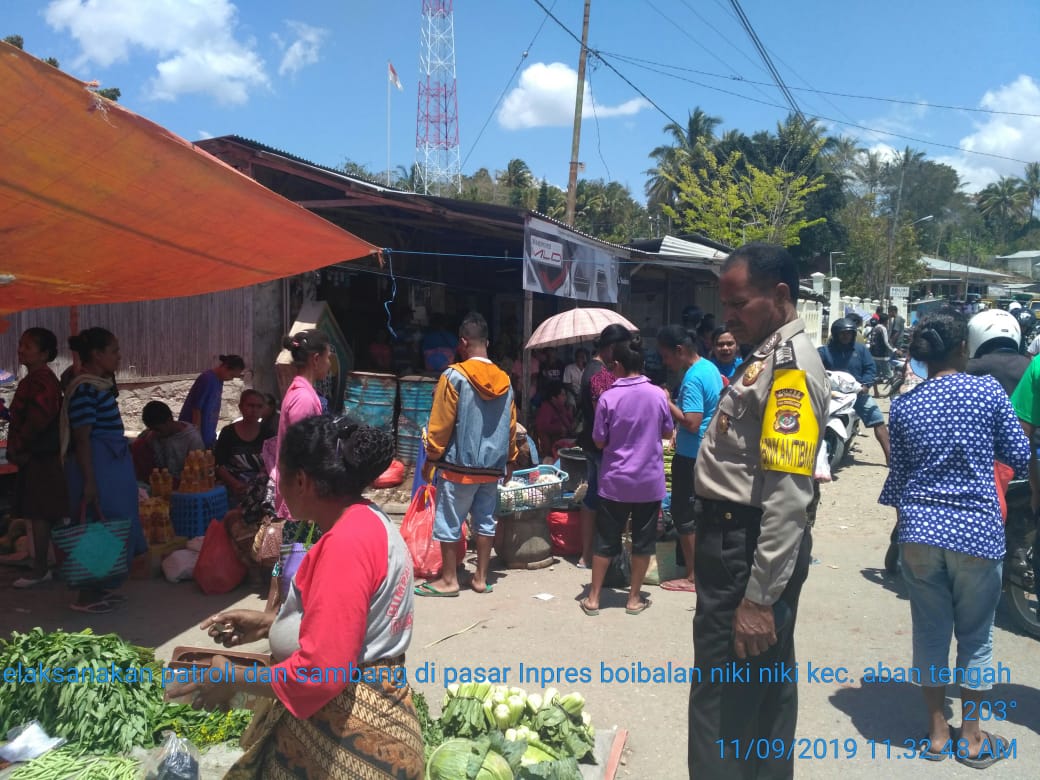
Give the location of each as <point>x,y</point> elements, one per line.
<point>437,161</point>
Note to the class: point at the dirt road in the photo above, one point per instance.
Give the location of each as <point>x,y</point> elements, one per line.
<point>852,615</point>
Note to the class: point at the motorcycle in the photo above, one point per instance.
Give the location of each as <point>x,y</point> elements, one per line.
<point>1021,561</point>
<point>842,420</point>
<point>1021,568</point>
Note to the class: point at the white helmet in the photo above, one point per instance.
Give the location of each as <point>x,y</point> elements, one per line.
<point>992,325</point>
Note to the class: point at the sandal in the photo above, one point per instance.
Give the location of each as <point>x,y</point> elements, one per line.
<point>97,608</point>
<point>681,584</point>
<point>426,589</point>
<point>994,748</point>
<point>643,607</point>
<point>589,611</point>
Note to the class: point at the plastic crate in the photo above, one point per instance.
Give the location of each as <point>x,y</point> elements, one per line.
<point>531,495</point>
<point>190,513</point>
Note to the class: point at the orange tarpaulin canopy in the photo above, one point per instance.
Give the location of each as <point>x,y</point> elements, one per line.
<point>100,205</point>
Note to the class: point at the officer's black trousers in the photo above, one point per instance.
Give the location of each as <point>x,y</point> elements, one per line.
<point>740,725</point>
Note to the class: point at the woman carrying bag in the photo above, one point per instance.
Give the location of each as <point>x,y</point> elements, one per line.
<point>99,469</point>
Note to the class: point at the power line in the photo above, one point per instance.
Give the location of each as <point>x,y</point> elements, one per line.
<point>889,133</point>
<point>916,103</point>
<point>613,69</point>
<point>687,34</point>
<point>757,43</point>
<point>509,83</point>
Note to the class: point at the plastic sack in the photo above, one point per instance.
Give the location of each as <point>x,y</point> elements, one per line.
<point>219,569</point>
<point>619,572</point>
<point>392,477</point>
<point>565,532</point>
<point>178,760</point>
<point>417,532</point>
<point>24,743</point>
<point>179,565</point>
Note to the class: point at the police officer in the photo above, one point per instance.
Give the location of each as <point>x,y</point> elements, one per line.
<point>754,477</point>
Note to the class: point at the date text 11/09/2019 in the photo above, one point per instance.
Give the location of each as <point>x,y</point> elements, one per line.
<point>806,748</point>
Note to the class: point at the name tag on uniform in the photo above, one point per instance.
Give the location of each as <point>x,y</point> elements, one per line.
<point>790,431</point>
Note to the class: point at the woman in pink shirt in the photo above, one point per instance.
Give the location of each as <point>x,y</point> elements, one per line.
<point>632,417</point>
<point>312,359</point>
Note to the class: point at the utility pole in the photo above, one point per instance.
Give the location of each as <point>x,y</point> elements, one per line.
<point>572,180</point>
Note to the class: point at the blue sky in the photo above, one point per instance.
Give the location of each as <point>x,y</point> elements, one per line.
<point>310,77</point>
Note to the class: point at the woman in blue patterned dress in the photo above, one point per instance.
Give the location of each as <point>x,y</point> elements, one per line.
<point>946,434</point>
<point>98,466</point>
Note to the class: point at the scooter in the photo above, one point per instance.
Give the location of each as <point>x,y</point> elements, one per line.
<point>842,420</point>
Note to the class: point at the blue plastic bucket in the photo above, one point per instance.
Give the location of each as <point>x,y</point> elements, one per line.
<point>371,398</point>
<point>416,402</point>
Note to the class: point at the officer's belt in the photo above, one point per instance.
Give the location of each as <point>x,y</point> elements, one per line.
<point>725,514</point>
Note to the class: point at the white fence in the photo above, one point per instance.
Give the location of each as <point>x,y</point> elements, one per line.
<point>811,313</point>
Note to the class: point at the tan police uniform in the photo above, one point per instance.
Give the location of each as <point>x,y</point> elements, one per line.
<point>754,484</point>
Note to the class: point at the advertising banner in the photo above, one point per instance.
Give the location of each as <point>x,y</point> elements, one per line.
<point>558,262</point>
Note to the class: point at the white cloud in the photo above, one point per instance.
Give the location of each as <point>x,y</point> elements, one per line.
<point>545,98</point>
<point>193,39</point>
<point>204,134</point>
<point>1002,134</point>
<point>304,50</point>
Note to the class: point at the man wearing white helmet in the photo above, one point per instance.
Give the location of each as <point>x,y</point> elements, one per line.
<point>994,340</point>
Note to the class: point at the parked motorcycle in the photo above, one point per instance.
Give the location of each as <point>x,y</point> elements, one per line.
<point>842,420</point>
<point>1021,563</point>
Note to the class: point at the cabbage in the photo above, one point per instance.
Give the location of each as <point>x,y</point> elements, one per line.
<point>457,759</point>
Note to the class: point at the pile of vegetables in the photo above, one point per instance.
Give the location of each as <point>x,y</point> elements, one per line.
<point>547,733</point>
<point>104,717</point>
<point>669,453</point>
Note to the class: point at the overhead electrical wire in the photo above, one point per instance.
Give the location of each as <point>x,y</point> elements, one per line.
<point>502,95</point>
<point>609,65</point>
<point>856,125</point>
<point>916,103</point>
<point>757,43</point>
<point>602,57</point>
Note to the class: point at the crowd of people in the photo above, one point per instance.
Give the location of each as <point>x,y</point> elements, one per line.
<point>746,413</point>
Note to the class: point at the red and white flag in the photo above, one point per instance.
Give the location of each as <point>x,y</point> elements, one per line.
<point>392,75</point>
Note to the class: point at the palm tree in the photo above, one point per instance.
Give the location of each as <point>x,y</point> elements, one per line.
<point>1032,183</point>
<point>516,175</point>
<point>842,156</point>
<point>1005,202</point>
<point>869,172</point>
<point>700,127</point>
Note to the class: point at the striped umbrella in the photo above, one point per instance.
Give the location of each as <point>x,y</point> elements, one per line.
<point>575,326</point>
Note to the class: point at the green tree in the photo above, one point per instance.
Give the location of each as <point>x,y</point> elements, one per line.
<point>686,144</point>
<point>721,198</point>
<point>1004,205</point>
<point>1032,186</point>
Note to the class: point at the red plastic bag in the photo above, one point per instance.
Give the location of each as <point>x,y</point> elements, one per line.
<point>218,569</point>
<point>392,477</point>
<point>417,532</point>
<point>1003,474</point>
<point>565,532</point>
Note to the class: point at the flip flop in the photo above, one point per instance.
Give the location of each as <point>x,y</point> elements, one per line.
<point>994,748</point>
<point>487,589</point>
<point>929,754</point>
<point>426,589</point>
<point>682,585</point>
<point>643,607</point>
<point>589,611</point>
<point>97,608</point>
<point>115,599</point>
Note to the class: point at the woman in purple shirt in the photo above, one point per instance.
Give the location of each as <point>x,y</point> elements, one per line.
<point>632,417</point>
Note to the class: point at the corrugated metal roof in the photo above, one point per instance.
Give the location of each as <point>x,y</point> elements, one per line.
<point>950,267</point>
